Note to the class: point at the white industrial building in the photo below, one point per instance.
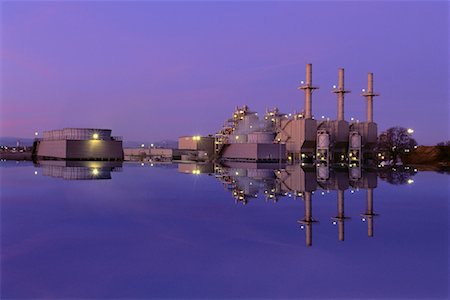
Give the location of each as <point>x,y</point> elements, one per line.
<point>79,144</point>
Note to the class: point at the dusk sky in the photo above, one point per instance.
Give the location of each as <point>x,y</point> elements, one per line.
<point>152,70</point>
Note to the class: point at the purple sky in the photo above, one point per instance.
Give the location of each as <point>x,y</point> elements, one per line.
<point>154,70</point>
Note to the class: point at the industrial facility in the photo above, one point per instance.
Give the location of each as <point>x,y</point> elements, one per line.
<point>78,144</point>
<point>299,137</point>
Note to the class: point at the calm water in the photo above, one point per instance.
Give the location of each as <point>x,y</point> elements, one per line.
<point>165,231</point>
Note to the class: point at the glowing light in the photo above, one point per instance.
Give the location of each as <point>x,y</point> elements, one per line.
<point>410,130</point>
<point>352,119</point>
<point>363,90</point>
<point>95,172</point>
<point>334,223</point>
<point>95,136</point>
<point>302,227</point>
<point>323,117</point>
<point>35,172</point>
<point>302,82</point>
<point>142,164</point>
<point>151,165</point>
<point>142,145</point>
<point>410,181</point>
<point>36,133</point>
<point>237,137</point>
<point>152,145</point>
<point>363,219</point>
<point>334,86</point>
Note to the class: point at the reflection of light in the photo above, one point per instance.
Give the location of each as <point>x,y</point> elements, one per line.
<point>95,136</point>
<point>410,130</point>
<point>95,172</point>
<point>410,181</point>
<point>35,172</point>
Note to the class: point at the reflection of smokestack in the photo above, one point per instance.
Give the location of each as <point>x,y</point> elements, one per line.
<point>369,214</point>
<point>308,219</point>
<point>340,91</point>
<point>340,218</point>
<point>308,88</point>
<point>369,94</point>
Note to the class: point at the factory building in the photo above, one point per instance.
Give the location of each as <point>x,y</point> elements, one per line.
<point>298,136</point>
<point>79,144</point>
<point>159,154</point>
<point>196,148</point>
<point>245,137</point>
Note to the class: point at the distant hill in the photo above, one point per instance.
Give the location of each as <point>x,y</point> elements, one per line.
<point>11,141</point>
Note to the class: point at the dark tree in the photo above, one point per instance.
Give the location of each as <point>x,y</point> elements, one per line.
<point>444,151</point>
<point>395,143</point>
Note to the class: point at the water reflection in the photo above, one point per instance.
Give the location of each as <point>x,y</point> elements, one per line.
<point>246,181</point>
<point>78,170</point>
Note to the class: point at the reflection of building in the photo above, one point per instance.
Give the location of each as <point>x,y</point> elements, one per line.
<point>79,144</point>
<point>79,170</point>
<point>274,181</point>
<point>196,168</point>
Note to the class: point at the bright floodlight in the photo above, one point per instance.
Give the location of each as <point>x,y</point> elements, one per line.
<point>410,181</point>
<point>142,145</point>
<point>410,130</point>
<point>95,172</point>
<point>95,136</point>
<point>152,145</point>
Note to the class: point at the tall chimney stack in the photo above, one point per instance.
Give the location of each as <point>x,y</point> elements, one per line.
<point>340,91</point>
<point>308,88</point>
<point>369,94</point>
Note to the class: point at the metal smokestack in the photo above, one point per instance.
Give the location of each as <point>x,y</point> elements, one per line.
<point>340,91</point>
<point>308,88</point>
<point>369,94</point>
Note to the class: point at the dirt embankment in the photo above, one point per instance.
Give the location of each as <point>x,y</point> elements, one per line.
<point>433,156</point>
